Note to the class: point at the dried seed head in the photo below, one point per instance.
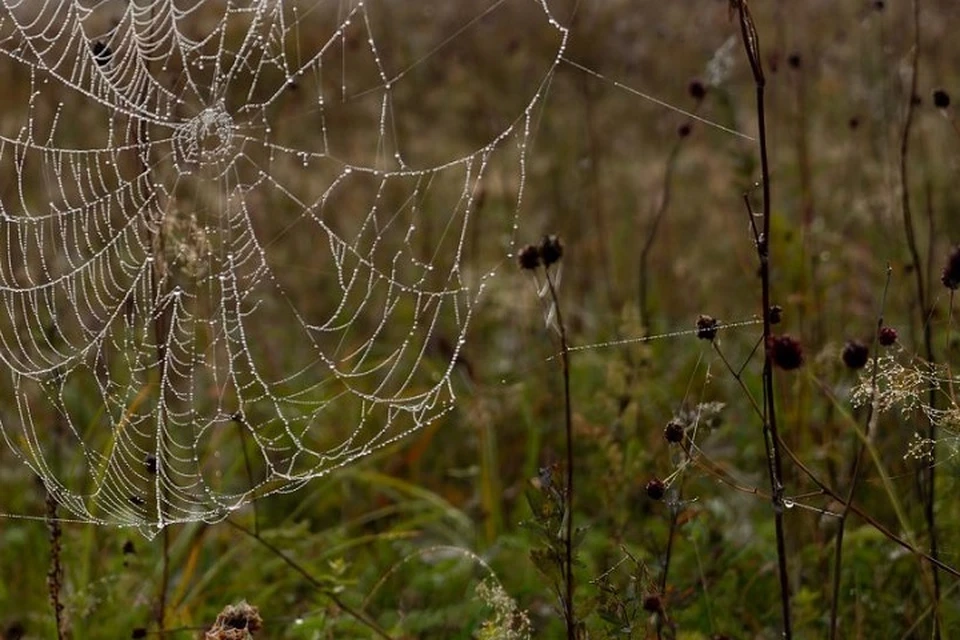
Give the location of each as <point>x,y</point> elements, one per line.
<point>887,336</point>
<point>855,354</point>
<point>794,60</point>
<point>551,250</point>
<point>652,603</point>
<point>941,99</point>
<point>697,90</point>
<point>673,432</point>
<point>776,314</point>
<point>951,272</point>
<point>529,257</point>
<point>786,352</point>
<point>235,622</point>
<point>707,327</point>
<point>684,130</point>
<point>656,489</point>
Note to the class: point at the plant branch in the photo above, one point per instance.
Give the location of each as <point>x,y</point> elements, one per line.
<point>858,461</point>
<point>751,43</point>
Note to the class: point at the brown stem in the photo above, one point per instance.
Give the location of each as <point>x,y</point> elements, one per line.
<point>751,44</point>
<point>568,425</point>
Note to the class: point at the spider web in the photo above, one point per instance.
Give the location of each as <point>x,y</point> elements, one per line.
<point>235,235</point>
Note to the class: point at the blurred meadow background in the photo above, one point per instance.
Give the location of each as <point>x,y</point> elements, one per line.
<point>639,154</point>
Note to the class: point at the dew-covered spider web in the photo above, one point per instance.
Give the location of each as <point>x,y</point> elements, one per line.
<point>234,236</point>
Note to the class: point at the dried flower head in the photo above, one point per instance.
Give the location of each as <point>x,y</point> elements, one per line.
<point>950,277</point>
<point>697,90</point>
<point>887,336</point>
<point>855,354</point>
<point>652,603</point>
<point>235,622</point>
<point>707,327</point>
<point>941,99</point>
<point>776,314</point>
<point>551,250</point>
<point>786,352</point>
<point>529,257</point>
<point>673,432</point>
<point>656,489</point>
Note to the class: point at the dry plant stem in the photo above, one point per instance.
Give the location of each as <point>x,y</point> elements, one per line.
<point>928,471</point>
<point>568,427</point>
<point>354,613</point>
<point>658,216</point>
<point>55,574</point>
<point>751,43</point>
<point>857,463</point>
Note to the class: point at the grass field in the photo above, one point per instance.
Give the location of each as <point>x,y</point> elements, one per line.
<point>713,480</point>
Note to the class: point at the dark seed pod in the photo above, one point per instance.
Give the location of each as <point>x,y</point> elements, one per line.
<point>697,90</point>
<point>652,603</point>
<point>551,250</point>
<point>855,354</point>
<point>950,277</point>
<point>656,489</point>
<point>707,327</point>
<point>776,314</point>
<point>887,336</point>
<point>673,432</point>
<point>529,257</point>
<point>941,99</point>
<point>786,352</point>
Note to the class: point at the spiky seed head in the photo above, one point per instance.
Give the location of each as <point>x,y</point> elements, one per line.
<point>656,489</point>
<point>855,354</point>
<point>951,272</point>
<point>707,327</point>
<point>673,432</point>
<point>887,336</point>
<point>786,352</point>
<point>551,250</point>
<point>529,257</point>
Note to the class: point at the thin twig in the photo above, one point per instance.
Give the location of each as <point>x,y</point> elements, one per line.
<point>858,461</point>
<point>55,573</point>
<point>360,616</point>
<point>568,424</point>
<point>923,303</point>
<point>751,43</point>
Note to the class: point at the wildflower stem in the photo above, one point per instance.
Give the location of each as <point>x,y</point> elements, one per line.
<point>928,472</point>
<point>55,573</point>
<point>857,462</point>
<point>751,43</point>
<point>358,615</point>
<point>568,494</point>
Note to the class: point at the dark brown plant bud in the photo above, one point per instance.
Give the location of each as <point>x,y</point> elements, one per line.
<point>786,352</point>
<point>794,60</point>
<point>673,432</point>
<point>652,603</point>
<point>656,489</point>
<point>855,354</point>
<point>887,336</point>
<point>951,272</point>
<point>707,327</point>
<point>529,257</point>
<point>684,130</point>
<point>941,99</point>
<point>697,90</point>
<point>776,314</point>
<point>551,250</point>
